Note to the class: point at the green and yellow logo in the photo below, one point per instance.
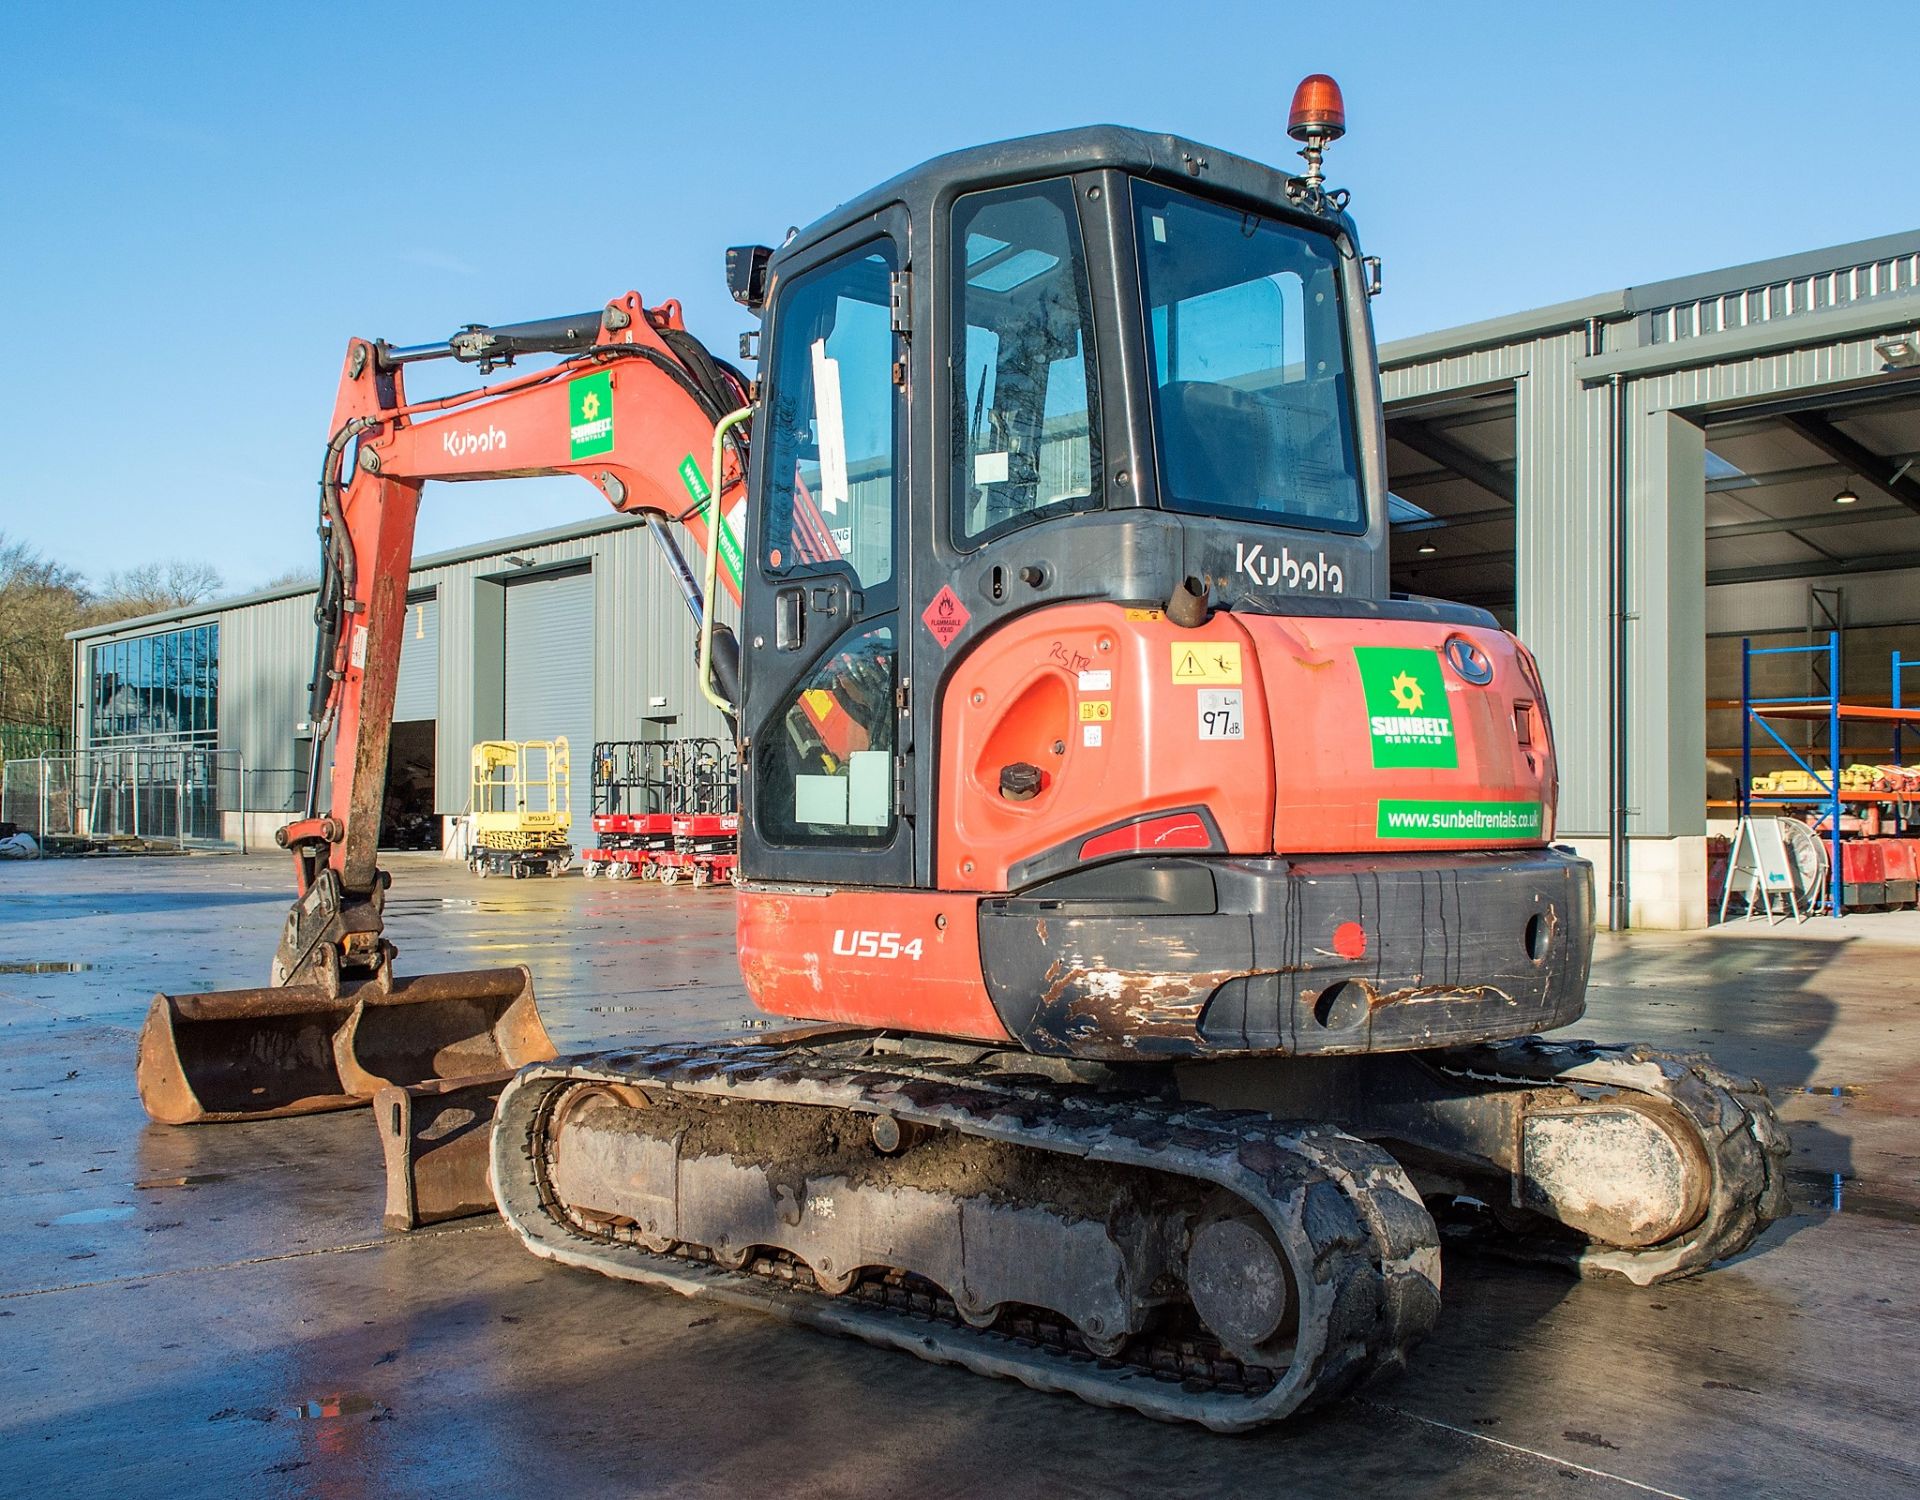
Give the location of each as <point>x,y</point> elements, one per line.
<point>1408,717</point>
<point>590,414</point>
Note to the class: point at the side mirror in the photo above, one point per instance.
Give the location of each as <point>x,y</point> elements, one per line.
<point>747,275</point>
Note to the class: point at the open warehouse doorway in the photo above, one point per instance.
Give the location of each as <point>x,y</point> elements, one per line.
<point>1812,530</point>
<point>1450,468</point>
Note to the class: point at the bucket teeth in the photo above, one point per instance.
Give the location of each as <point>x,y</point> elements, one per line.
<point>299,1049</point>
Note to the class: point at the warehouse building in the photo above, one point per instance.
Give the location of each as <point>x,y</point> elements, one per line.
<point>578,631</point>
<point>1636,482</point>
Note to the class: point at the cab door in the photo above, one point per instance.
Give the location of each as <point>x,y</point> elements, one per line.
<point>825,757</point>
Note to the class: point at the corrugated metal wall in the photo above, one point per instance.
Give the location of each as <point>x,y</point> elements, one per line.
<point>417,694</point>
<point>266,657</point>
<point>549,661</point>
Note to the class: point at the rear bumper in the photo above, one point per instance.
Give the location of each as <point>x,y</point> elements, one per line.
<point>1330,954</point>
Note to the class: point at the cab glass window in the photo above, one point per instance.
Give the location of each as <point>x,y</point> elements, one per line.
<point>831,423</point>
<point>1024,419</point>
<point>825,765</point>
<point>1253,405</point>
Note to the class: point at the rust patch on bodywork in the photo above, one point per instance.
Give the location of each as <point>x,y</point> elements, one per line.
<point>1428,994</point>
<point>1128,1008</point>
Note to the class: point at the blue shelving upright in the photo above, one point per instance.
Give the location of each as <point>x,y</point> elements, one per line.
<point>1752,713</point>
<point>1833,713</point>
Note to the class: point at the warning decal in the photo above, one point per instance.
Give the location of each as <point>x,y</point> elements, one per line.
<point>945,616</point>
<point>1207,662</point>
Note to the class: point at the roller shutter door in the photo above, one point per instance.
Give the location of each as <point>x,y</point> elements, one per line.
<point>550,668</point>
<point>418,694</point>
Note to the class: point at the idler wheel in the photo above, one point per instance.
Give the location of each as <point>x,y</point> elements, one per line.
<point>1238,1280</point>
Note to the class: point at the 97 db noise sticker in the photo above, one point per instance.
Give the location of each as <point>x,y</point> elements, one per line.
<point>1220,715</point>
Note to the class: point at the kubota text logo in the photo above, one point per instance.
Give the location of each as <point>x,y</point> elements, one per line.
<point>460,444</point>
<point>1306,575</point>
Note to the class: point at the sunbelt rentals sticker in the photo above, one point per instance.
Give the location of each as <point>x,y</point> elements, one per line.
<point>1408,718</point>
<point>1519,821</point>
<point>590,414</point>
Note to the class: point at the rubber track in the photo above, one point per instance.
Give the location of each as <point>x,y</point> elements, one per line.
<point>1733,1119</point>
<point>1366,1253</point>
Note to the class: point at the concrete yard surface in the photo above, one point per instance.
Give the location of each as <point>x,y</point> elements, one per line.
<point>216,1310</point>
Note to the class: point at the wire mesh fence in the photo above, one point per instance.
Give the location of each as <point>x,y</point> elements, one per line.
<point>17,739</point>
<point>167,795</point>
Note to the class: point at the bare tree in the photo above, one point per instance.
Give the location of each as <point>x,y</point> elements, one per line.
<point>291,577</point>
<point>153,587</point>
<point>40,601</point>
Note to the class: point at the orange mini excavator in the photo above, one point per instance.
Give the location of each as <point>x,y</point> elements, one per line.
<point>1172,907</point>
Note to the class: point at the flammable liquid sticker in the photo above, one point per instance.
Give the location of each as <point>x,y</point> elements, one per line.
<point>590,414</point>
<point>1409,719</point>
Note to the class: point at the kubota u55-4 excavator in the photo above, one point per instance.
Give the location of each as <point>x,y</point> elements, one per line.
<point>1173,907</point>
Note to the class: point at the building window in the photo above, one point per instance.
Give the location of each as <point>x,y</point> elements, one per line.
<point>155,689</point>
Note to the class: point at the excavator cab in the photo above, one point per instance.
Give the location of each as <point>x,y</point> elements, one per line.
<point>1090,366</point>
<point>1065,580</point>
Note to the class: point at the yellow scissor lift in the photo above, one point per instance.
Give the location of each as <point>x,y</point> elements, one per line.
<point>522,808</point>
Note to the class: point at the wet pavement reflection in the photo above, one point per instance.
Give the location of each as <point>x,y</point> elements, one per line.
<point>217,1310</point>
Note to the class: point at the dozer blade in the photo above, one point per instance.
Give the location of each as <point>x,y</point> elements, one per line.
<point>299,1049</point>
<point>435,1136</point>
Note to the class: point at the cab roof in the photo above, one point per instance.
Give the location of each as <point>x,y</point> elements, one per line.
<point>1168,158</point>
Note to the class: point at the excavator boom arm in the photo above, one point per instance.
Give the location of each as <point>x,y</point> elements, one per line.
<point>631,408</point>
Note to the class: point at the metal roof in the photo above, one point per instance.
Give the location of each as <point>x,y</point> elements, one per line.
<point>474,553</point>
<point>1632,302</point>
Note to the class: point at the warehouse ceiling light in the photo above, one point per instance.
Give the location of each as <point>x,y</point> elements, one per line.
<point>1846,496</point>
<point>1428,550</point>
<point>1902,352</point>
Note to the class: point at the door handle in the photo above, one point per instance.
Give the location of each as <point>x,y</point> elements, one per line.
<point>788,612</point>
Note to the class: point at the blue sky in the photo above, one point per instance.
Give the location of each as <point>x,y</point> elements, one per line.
<point>201,202</point>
